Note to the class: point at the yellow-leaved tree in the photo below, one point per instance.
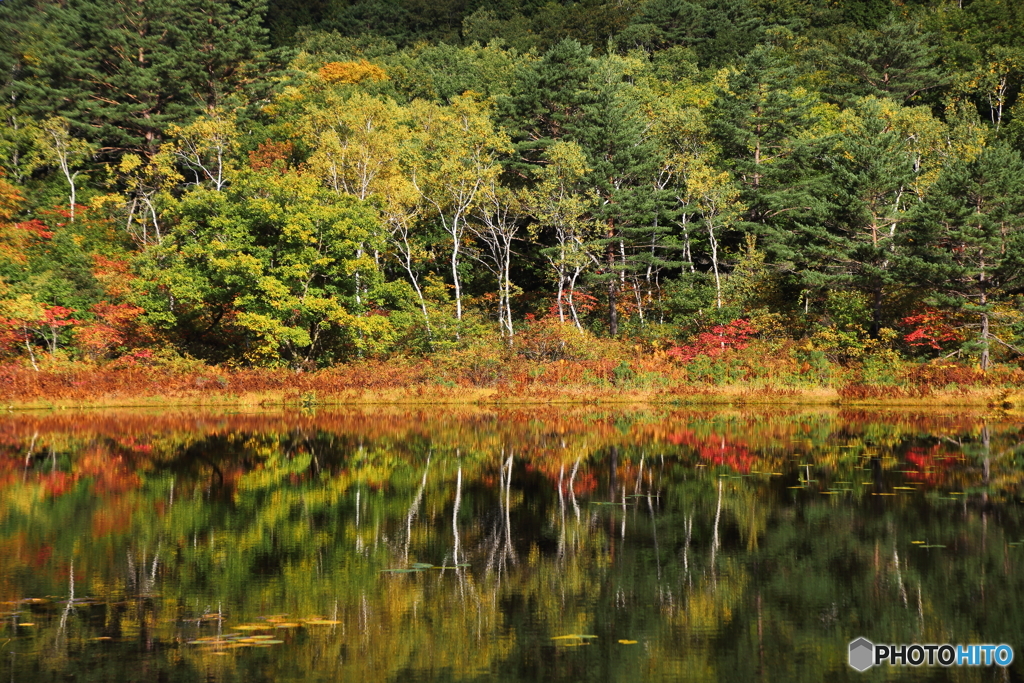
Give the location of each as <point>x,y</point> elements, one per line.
<point>454,157</point>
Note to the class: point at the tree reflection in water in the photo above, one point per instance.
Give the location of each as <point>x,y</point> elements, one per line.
<point>468,543</point>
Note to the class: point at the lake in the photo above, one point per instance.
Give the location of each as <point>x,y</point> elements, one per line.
<point>509,544</point>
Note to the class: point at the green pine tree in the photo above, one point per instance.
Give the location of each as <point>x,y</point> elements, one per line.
<point>966,243</point>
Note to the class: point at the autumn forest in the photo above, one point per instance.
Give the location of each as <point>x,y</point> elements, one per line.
<point>709,191</point>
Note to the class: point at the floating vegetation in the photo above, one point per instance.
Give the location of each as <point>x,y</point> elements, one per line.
<point>572,636</point>
<point>627,642</point>
<point>414,567</point>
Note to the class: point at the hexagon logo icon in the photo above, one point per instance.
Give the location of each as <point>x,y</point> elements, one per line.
<point>862,654</point>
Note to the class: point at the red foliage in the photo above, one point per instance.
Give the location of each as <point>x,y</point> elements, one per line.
<point>37,228</point>
<point>19,330</point>
<point>932,465</point>
<point>716,449</point>
<point>270,153</point>
<point>58,316</point>
<point>932,328</point>
<point>583,302</point>
<point>114,327</point>
<point>733,335</point>
<point>132,359</point>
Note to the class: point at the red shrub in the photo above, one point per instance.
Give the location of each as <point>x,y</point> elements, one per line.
<point>733,335</point>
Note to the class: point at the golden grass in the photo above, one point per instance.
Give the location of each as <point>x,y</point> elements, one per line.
<point>481,380</point>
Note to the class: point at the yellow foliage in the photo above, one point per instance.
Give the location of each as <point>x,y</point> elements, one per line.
<point>348,73</point>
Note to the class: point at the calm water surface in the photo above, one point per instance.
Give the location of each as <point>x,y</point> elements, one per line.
<point>507,545</point>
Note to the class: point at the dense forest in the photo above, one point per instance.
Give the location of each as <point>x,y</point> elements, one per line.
<point>299,184</point>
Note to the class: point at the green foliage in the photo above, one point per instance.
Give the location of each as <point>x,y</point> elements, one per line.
<point>428,179</point>
<point>263,272</point>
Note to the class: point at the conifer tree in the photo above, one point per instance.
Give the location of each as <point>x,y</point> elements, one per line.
<point>121,72</point>
<point>966,243</point>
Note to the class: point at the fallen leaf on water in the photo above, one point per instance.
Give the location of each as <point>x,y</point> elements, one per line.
<point>322,622</point>
<point>628,642</point>
<point>286,625</point>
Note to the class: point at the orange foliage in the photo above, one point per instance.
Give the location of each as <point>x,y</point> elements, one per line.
<point>270,154</point>
<point>351,72</point>
<point>10,200</point>
<point>115,275</point>
<point>115,327</point>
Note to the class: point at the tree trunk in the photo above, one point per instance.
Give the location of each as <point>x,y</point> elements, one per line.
<point>613,310</point>
<point>714,264</point>
<point>984,323</point>
<point>984,342</point>
<point>455,277</point>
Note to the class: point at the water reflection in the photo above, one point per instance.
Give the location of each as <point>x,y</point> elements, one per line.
<point>503,545</point>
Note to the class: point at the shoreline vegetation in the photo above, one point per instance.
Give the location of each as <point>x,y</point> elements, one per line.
<point>418,382</point>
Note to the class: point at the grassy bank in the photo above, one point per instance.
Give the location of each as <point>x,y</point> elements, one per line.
<point>479,380</point>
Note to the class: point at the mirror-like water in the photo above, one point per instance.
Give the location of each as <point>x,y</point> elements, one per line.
<point>514,545</point>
